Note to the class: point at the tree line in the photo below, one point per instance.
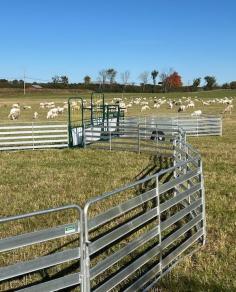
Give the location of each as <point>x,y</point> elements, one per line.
<point>149,82</point>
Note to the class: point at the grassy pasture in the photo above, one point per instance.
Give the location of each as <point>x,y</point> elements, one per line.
<point>34,180</point>
<point>7,98</point>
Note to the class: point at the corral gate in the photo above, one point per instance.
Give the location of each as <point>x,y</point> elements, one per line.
<point>82,115</point>
<point>33,136</point>
<point>130,237</point>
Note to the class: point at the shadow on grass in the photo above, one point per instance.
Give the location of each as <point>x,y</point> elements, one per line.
<point>186,284</point>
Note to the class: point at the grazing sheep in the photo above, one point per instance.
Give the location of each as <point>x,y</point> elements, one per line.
<point>16,105</point>
<point>145,107</point>
<point>182,108</point>
<point>52,113</point>
<point>26,107</point>
<point>170,105</point>
<point>60,110</point>
<point>191,104</point>
<point>14,114</point>
<point>228,109</point>
<point>156,105</point>
<point>196,113</point>
<point>35,116</point>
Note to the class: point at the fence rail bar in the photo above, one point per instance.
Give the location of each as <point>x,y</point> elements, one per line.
<point>172,183</point>
<point>179,215</point>
<point>26,239</point>
<point>39,263</point>
<point>34,126</point>
<point>35,147</point>
<point>130,247</point>
<point>35,137</point>
<point>120,209</point>
<point>165,243</point>
<point>180,197</point>
<point>35,132</point>
<point>55,285</point>
<point>121,231</point>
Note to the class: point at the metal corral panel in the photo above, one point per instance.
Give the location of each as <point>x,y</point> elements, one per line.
<point>33,136</point>
<point>192,125</point>
<point>130,237</point>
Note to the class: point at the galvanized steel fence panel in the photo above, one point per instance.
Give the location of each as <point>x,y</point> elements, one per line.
<point>193,125</point>
<point>132,236</point>
<point>34,239</point>
<point>33,136</point>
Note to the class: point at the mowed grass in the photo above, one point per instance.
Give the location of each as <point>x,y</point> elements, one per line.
<point>34,180</point>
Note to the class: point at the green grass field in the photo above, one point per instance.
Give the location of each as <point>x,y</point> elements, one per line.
<point>34,180</point>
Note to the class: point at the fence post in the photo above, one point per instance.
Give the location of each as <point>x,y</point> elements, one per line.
<point>221,129</point>
<point>85,254</point>
<point>138,140</point>
<point>157,136</point>
<point>174,163</point>
<point>197,126</point>
<point>84,136</point>
<point>110,140</point>
<point>203,200</point>
<point>33,134</point>
<point>159,219</point>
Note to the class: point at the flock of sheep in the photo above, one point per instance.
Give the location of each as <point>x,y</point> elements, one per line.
<point>182,103</point>
<point>141,103</point>
<point>52,113</point>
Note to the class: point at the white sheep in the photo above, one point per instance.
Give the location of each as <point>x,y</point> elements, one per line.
<point>156,105</point>
<point>16,105</point>
<point>196,113</point>
<point>52,113</point>
<point>145,107</point>
<point>26,107</point>
<point>14,114</point>
<point>191,104</point>
<point>35,116</point>
<point>182,108</point>
<point>60,110</point>
<point>228,109</point>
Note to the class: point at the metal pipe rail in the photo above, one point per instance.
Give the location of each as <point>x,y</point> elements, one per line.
<point>132,236</point>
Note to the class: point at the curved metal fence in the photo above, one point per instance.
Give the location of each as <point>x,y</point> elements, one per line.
<point>130,237</point>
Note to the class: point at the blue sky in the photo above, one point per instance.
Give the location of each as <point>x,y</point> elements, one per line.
<point>76,38</point>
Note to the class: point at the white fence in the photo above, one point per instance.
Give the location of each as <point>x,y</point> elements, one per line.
<point>33,136</point>
<point>204,125</point>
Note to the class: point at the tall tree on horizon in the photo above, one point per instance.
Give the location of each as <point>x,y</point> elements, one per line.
<point>124,78</point>
<point>210,82</point>
<point>154,74</point>
<point>143,77</point>
<point>111,75</point>
<point>102,77</point>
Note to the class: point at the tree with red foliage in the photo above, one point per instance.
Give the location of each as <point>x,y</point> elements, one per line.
<point>174,80</point>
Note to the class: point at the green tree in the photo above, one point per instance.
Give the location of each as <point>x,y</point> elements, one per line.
<point>154,74</point>
<point>111,75</point>
<point>196,83</point>
<point>64,80</point>
<point>233,85</point>
<point>87,80</point>
<point>210,82</point>
<point>226,86</point>
<point>55,79</point>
